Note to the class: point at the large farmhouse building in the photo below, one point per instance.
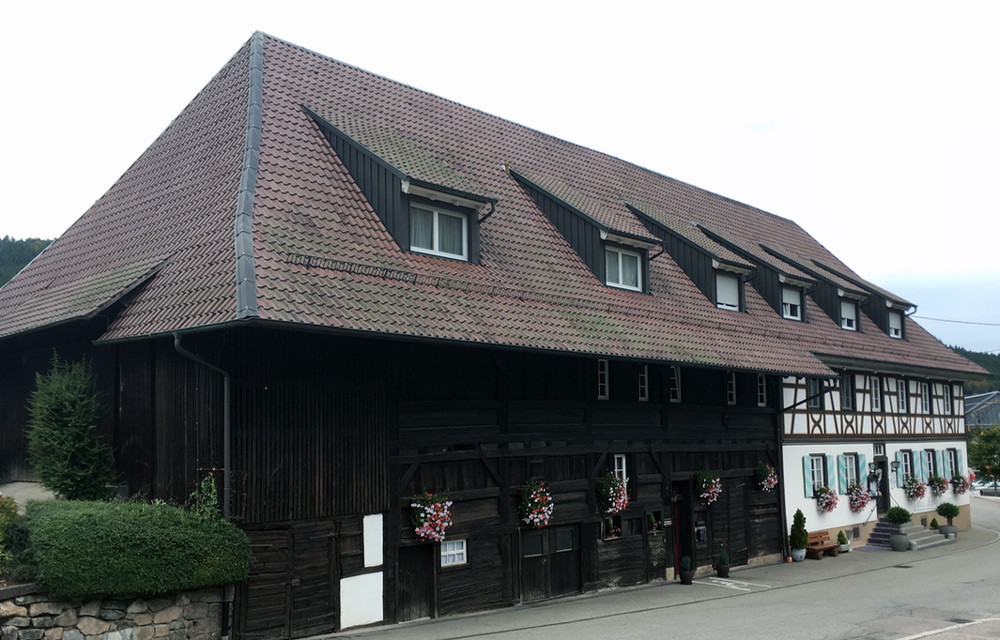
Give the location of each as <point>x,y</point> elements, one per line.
<point>338,293</point>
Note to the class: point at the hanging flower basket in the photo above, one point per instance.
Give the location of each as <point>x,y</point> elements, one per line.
<point>938,485</point>
<point>766,477</point>
<point>914,488</point>
<point>536,504</point>
<point>858,497</point>
<point>612,493</point>
<point>709,486</point>
<point>431,516</point>
<point>960,484</point>
<point>826,499</point>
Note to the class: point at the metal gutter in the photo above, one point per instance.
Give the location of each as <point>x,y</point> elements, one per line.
<point>246,278</point>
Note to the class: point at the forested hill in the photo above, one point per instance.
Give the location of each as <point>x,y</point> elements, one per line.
<point>14,254</point>
<point>987,361</point>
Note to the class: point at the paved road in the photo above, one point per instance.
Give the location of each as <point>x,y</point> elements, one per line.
<point>945,593</point>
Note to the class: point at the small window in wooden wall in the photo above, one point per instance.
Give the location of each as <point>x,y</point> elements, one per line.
<point>675,383</point>
<point>761,390</point>
<point>847,392</point>
<point>876,393</point>
<point>453,553</point>
<point>849,315</point>
<point>603,381</point>
<point>727,291</point>
<point>731,388</point>
<point>814,393</point>
<point>791,302</point>
<point>643,382</point>
<point>949,407</point>
<point>902,396</point>
<point>925,398</point>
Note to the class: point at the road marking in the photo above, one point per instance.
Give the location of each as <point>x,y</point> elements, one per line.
<point>736,585</point>
<point>927,634</point>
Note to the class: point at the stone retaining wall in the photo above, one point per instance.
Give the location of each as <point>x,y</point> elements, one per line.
<point>186,615</point>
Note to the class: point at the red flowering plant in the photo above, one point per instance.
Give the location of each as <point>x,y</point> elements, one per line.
<point>960,484</point>
<point>709,486</point>
<point>536,503</point>
<point>826,499</point>
<point>766,477</point>
<point>937,484</point>
<point>858,497</point>
<point>612,493</point>
<point>914,487</point>
<point>431,515</point>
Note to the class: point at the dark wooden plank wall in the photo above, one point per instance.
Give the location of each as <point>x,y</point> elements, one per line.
<point>693,260</point>
<point>768,286</point>
<point>875,308</point>
<point>582,235</point>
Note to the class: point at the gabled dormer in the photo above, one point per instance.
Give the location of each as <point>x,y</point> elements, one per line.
<point>615,248</point>
<point>886,310</point>
<point>425,205</point>
<point>718,272</point>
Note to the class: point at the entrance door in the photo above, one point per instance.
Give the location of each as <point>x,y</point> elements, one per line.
<point>416,582</point>
<point>550,562</point>
<point>878,484</point>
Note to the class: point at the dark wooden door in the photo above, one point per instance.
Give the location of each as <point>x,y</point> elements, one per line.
<point>534,565</point>
<point>737,544</point>
<point>314,584</point>
<point>550,563</point>
<point>880,482</point>
<point>565,560</point>
<point>416,582</point>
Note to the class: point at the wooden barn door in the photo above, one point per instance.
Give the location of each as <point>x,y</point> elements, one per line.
<point>738,543</point>
<point>550,563</point>
<point>416,582</point>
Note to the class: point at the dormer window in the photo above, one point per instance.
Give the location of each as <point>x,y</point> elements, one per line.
<point>439,232</point>
<point>623,268</point>
<point>791,302</point>
<point>727,291</point>
<point>849,315</point>
<point>896,325</point>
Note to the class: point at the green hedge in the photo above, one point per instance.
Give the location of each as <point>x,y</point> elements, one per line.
<point>83,549</point>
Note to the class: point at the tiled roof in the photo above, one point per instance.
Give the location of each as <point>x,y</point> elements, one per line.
<point>322,258</point>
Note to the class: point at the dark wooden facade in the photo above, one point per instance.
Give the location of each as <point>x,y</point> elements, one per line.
<point>326,430</point>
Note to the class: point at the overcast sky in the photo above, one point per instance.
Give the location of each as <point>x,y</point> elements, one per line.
<point>873,125</point>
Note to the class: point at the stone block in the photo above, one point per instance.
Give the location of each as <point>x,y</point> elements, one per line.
<point>179,623</point>
<point>67,618</point>
<point>156,604</point>
<point>167,615</point>
<point>138,606</point>
<point>8,632</point>
<point>141,619</point>
<point>111,614</point>
<point>91,608</point>
<point>196,610</point>
<point>55,633</point>
<point>72,634</point>
<point>47,608</point>
<point>183,599</point>
<point>177,634</point>
<point>92,626</point>
<point>8,610</point>
<point>31,634</point>
<point>42,622</point>
<point>19,622</point>
<point>143,633</point>
<point>160,631</point>
<point>26,600</point>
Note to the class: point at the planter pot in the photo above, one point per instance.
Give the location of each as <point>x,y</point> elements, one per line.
<point>899,542</point>
<point>687,577</point>
<point>798,555</point>
<point>947,530</point>
<point>844,548</point>
<point>722,570</point>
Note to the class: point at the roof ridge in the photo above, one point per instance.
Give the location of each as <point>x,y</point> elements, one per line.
<point>246,277</point>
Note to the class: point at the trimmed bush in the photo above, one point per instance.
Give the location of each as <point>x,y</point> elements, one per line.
<point>62,427</point>
<point>897,515</point>
<point>89,549</point>
<point>947,510</point>
<point>798,538</point>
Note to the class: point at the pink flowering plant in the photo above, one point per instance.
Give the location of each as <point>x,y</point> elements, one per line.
<point>709,486</point>
<point>536,503</point>
<point>960,484</point>
<point>858,497</point>
<point>826,499</point>
<point>937,484</point>
<point>914,487</point>
<point>612,493</point>
<point>431,515</point>
<point>766,477</point>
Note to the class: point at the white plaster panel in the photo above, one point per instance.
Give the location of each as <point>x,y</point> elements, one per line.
<point>361,600</point>
<point>373,540</point>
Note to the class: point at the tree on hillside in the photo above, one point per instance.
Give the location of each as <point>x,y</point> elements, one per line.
<point>984,451</point>
<point>987,361</point>
<point>14,254</point>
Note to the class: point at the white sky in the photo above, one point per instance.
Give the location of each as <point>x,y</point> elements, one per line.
<point>875,126</point>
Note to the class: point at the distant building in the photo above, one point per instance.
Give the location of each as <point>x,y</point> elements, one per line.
<point>982,409</point>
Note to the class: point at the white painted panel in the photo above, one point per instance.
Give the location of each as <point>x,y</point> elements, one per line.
<point>361,600</point>
<point>373,540</point>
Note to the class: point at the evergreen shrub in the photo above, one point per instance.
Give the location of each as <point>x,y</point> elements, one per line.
<point>798,538</point>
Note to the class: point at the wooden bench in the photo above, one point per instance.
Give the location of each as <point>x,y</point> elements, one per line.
<point>820,544</point>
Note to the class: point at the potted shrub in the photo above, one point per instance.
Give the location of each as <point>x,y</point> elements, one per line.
<point>845,544</point>
<point>898,516</point>
<point>798,538</point>
<point>949,511</point>
<point>722,567</point>
<point>687,573</point>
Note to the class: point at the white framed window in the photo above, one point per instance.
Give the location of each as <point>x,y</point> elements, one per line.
<point>727,291</point>
<point>949,407</point>
<point>849,315</point>
<point>791,302</point>
<point>929,467</point>
<point>439,233</point>
<point>817,465</point>
<point>731,388</point>
<point>896,325</point>
<point>902,396</point>
<point>879,448</point>
<point>621,467</point>
<point>453,552</point>
<point>907,459</point>
<point>603,382</point>
<point>761,390</point>
<point>951,459</point>
<point>623,268</point>
<point>814,393</point>
<point>643,383</point>
<point>876,393</point>
<point>925,398</point>
<point>851,469</point>
<point>675,383</point>
<point>847,392</point>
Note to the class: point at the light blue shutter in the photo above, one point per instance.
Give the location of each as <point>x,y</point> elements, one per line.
<point>831,469</point>
<point>842,473</point>
<point>958,456</point>
<point>807,476</point>
<point>918,465</point>
<point>937,463</point>
<point>862,469</point>
<point>899,467</point>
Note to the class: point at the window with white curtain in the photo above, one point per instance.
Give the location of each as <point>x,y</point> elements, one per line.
<point>791,302</point>
<point>622,268</point>
<point>727,291</point>
<point>440,233</point>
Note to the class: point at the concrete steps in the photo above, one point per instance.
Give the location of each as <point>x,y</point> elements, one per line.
<point>919,537</point>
